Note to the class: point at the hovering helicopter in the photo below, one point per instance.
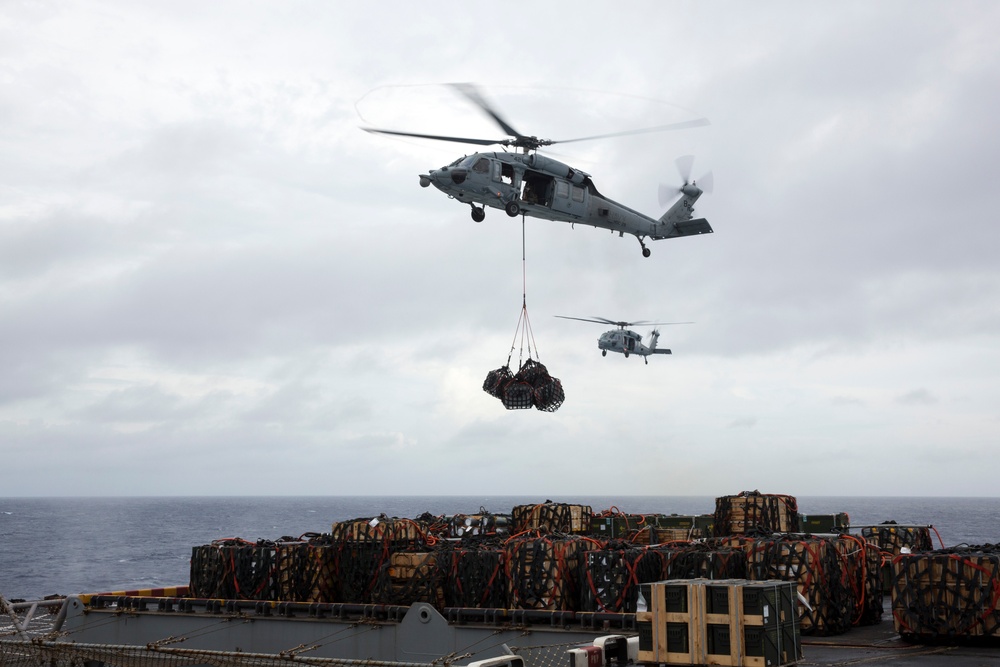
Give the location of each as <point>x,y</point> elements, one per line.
<point>625,341</point>
<point>527,183</point>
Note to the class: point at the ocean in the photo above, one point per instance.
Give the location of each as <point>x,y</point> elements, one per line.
<point>87,545</point>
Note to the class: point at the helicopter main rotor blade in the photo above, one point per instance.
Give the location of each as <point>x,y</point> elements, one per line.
<point>657,324</point>
<point>461,140</point>
<point>699,122</point>
<point>473,95</point>
<point>585,319</point>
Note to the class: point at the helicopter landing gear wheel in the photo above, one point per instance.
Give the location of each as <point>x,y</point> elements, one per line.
<point>512,209</point>
<point>626,354</point>
<point>604,353</point>
<point>478,214</point>
<point>645,250</point>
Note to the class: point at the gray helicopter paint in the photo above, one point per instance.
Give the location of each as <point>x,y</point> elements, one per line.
<point>570,198</point>
<point>558,191</point>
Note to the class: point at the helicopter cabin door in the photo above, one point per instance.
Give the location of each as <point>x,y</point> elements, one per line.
<point>538,188</point>
<point>569,198</point>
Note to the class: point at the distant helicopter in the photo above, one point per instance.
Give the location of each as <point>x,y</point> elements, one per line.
<point>625,341</point>
<point>534,185</point>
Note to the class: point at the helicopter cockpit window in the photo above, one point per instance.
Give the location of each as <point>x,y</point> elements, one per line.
<point>482,166</point>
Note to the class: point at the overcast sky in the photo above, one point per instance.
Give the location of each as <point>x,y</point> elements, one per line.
<point>212,282</point>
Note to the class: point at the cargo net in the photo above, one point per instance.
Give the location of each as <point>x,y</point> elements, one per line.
<point>552,518</point>
<point>948,595</point>
<point>21,653</point>
<point>893,538</point>
<point>473,573</point>
<point>755,513</point>
<point>408,577</point>
<point>613,574</point>
<point>478,525</point>
<point>234,569</point>
<point>820,571</point>
<point>863,561</point>
<point>530,387</point>
<point>543,570</point>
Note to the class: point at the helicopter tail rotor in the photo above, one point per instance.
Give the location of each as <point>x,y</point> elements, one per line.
<point>690,187</point>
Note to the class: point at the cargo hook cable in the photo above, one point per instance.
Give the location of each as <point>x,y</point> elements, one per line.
<point>523,324</point>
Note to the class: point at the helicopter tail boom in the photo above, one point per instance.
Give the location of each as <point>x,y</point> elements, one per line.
<point>654,337</point>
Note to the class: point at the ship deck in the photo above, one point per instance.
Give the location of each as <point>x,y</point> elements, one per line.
<point>881,645</point>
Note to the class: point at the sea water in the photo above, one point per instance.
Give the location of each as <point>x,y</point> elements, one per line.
<point>85,545</point>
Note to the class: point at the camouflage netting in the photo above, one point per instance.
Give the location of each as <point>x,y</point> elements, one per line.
<point>531,386</point>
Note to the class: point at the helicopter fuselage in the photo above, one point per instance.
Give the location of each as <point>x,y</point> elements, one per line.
<point>628,342</point>
<point>541,187</point>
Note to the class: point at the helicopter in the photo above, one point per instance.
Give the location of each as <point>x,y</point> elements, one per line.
<point>625,341</point>
<point>529,184</point>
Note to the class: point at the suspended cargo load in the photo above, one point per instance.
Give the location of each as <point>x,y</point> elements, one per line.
<point>530,387</point>
<point>948,594</point>
<point>552,517</point>
<point>752,512</point>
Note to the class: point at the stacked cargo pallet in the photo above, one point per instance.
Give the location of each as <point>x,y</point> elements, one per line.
<point>755,513</point>
<point>663,528</point>
<point>234,569</point>
<point>475,525</point>
<point>734,622</point>
<point>863,561</point>
<point>615,526</point>
<point>363,548</point>
<point>947,594</point>
<point>543,571</point>
<point>408,577</point>
<point>825,523</point>
<point>552,517</point>
<point>473,574</point>
<point>893,539</point>
<point>612,575</point>
<point>820,573</point>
